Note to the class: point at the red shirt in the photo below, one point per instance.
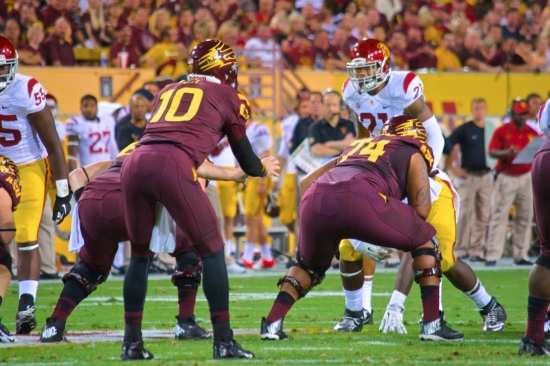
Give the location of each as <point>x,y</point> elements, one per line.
<point>301,59</point>
<point>53,50</point>
<point>505,137</point>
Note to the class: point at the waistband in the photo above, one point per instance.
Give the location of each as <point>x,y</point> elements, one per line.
<point>479,173</point>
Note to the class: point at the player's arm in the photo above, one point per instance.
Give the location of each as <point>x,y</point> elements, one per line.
<point>7,221</point>
<point>362,132</point>
<point>214,172</point>
<point>72,148</point>
<point>496,147</point>
<point>308,180</point>
<point>78,178</point>
<point>418,186</point>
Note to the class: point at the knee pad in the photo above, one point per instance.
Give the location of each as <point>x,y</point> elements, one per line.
<point>188,265</point>
<point>88,278</point>
<point>348,252</point>
<point>316,276</point>
<point>543,261</point>
<point>6,260</point>
<point>427,272</point>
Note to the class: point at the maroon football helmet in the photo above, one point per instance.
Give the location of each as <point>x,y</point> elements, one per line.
<point>213,59</point>
<point>369,64</point>
<point>405,125</point>
<point>8,56</point>
<point>271,207</point>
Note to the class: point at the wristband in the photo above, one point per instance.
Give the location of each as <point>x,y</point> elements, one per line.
<point>72,157</point>
<point>275,179</point>
<point>62,187</point>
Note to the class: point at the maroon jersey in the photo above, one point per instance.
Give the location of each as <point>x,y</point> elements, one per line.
<point>383,161</point>
<point>196,116</point>
<point>9,180</point>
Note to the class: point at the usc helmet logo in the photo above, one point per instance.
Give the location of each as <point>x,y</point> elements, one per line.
<point>385,50</point>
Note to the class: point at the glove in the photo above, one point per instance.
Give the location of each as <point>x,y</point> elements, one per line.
<point>392,322</point>
<point>61,208</point>
<point>374,252</point>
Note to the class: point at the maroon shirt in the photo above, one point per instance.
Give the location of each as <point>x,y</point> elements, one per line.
<point>25,47</point>
<point>383,161</point>
<point>52,50</point>
<point>207,111</point>
<point>301,59</point>
<point>143,39</point>
<point>87,18</point>
<point>49,16</point>
<point>423,61</point>
<point>133,53</point>
<point>501,57</point>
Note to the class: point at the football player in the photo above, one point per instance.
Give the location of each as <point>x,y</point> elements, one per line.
<point>91,138</point>
<point>533,342</point>
<point>374,93</point>
<point>10,195</point>
<point>359,194</point>
<point>102,227</point>
<point>254,200</point>
<point>28,136</point>
<point>188,121</point>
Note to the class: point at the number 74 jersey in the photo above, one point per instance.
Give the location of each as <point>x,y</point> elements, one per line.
<point>402,89</point>
<point>19,141</point>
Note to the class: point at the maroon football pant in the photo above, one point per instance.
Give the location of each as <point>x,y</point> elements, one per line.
<point>355,209</point>
<point>541,198</point>
<point>164,173</point>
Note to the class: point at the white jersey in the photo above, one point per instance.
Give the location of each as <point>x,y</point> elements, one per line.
<point>96,138</point>
<point>259,137</point>
<point>225,157</point>
<point>19,141</point>
<point>61,130</point>
<point>287,126</point>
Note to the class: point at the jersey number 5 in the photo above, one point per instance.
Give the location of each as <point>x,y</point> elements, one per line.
<point>171,101</point>
<point>4,142</point>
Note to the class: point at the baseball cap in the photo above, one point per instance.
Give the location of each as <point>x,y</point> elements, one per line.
<point>145,93</point>
<point>520,106</point>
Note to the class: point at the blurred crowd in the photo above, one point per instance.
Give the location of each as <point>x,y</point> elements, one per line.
<point>460,35</point>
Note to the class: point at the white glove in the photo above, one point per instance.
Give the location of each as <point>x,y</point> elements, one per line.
<point>392,322</point>
<point>374,252</point>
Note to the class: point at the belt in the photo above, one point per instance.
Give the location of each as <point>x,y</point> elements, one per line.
<point>479,173</point>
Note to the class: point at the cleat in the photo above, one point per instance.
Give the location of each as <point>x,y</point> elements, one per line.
<point>52,332</point>
<point>352,321</point>
<point>187,328</point>
<point>5,335</point>
<point>494,316</point>
<point>547,326</point>
<point>392,322</point>
<point>272,331</point>
<point>247,264</point>
<point>532,348</point>
<point>264,264</point>
<point>230,349</point>
<point>438,330</point>
<point>135,351</point>
<point>25,321</point>
<point>368,317</point>
<point>235,269</point>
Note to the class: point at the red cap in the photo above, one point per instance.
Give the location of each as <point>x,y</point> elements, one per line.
<point>520,106</point>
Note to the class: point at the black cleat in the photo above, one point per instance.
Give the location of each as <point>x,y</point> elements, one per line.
<point>187,328</point>
<point>368,317</point>
<point>5,335</point>
<point>547,326</point>
<point>352,321</point>
<point>532,348</point>
<point>135,351</point>
<point>230,349</point>
<point>25,321</point>
<point>494,316</point>
<point>438,330</point>
<point>272,331</point>
<point>52,332</point>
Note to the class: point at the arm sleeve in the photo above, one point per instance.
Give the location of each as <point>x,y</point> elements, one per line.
<point>314,135</point>
<point>435,138</point>
<point>248,161</point>
<point>413,89</point>
<point>37,96</point>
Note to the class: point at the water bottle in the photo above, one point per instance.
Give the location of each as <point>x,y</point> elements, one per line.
<point>103,62</point>
<point>318,61</point>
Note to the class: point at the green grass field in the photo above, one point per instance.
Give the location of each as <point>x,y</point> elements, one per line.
<point>309,325</point>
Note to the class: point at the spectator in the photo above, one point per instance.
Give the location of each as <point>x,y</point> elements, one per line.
<point>470,55</point>
<point>150,5</point>
<point>415,41</point>
<point>541,55</point>
<point>512,186</point>
<point>300,53</point>
<point>375,17</point>
<point>362,27</point>
<point>166,56</point>
<point>332,134</point>
<point>141,36</point>
<point>123,43</point>
<point>229,34</point>
<point>507,57</point>
<point>315,5</point>
<point>441,17</point>
<point>447,60</point>
<point>131,127</point>
<point>220,11</point>
<point>390,8</point>
<point>55,50</point>
<point>201,32</point>
<point>279,25</point>
<point>296,24</point>
<point>429,31</point>
<point>130,9</point>
<point>29,53</point>
<point>308,13</point>
<point>473,181</point>
<point>203,13</point>
<point>28,19</point>
<point>212,26</point>
<point>114,19</point>
<point>459,27</point>
<point>329,17</point>
<point>51,12</point>
<point>94,23</point>
<point>340,44</point>
<point>12,31</point>
<point>153,88</point>
<point>72,14</point>
<point>329,55</point>
<point>398,44</point>
<point>185,26</point>
<point>160,19</point>
<point>424,60</point>
<point>495,33</point>
<point>378,32</point>
<point>534,101</point>
<point>262,49</point>
<point>265,11</point>
<point>512,27</point>
<point>351,8</point>
<point>410,17</point>
<point>348,23</point>
<point>500,9</point>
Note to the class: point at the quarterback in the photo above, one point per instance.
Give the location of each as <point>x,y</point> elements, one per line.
<point>375,93</point>
<point>28,137</point>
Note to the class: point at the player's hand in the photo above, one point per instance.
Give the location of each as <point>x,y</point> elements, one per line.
<point>392,322</point>
<point>459,172</point>
<point>61,208</point>
<point>374,252</point>
<point>272,166</point>
<point>240,176</point>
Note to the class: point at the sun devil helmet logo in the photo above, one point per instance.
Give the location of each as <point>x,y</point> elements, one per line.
<point>214,58</point>
<point>220,55</point>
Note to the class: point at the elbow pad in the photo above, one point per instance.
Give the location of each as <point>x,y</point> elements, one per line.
<point>249,162</point>
<point>435,138</point>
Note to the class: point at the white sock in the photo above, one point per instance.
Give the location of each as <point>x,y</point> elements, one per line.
<point>119,256</point>
<point>354,300</point>
<point>265,250</point>
<point>28,287</point>
<point>397,298</point>
<point>480,297</point>
<point>440,295</point>
<point>229,247</point>
<point>248,254</point>
<point>367,294</point>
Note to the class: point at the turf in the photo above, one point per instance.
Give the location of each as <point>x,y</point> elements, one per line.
<point>309,323</point>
